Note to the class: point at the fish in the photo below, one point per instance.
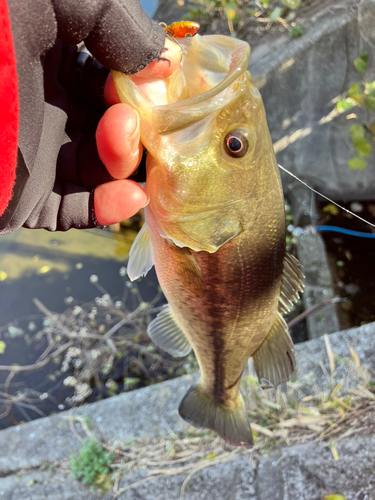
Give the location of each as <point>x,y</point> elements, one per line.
<point>215,229</point>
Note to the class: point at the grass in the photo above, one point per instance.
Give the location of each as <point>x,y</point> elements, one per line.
<point>296,413</point>
<point>93,465</point>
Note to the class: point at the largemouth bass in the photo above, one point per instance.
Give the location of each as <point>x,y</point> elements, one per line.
<point>215,229</point>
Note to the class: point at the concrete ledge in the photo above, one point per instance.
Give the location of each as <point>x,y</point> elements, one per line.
<point>152,411</point>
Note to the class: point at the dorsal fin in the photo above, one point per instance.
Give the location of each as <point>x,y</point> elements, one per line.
<point>167,334</point>
<point>291,283</point>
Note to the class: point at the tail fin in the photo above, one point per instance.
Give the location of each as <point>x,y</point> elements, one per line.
<point>232,424</point>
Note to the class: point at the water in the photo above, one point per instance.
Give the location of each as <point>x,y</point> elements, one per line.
<point>352,264</point>
<point>150,6</point>
<point>81,276</point>
<point>50,267</point>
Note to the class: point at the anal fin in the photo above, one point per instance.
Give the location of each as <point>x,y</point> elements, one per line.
<point>291,283</point>
<point>141,255</point>
<point>274,361</point>
<point>167,334</point>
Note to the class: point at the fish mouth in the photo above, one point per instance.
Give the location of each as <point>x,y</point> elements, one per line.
<point>178,115</point>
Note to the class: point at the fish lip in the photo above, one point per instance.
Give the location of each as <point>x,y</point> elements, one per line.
<point>166,113</point>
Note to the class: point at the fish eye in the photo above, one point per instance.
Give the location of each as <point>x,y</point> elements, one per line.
<point>188,35</point>
<point>236,144</point>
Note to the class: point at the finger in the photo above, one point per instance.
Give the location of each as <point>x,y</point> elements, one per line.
<point>169,61</point>
<point>157,69</point>
<point>118,140</point>
<point>110,92</point>
<point>117,201</point>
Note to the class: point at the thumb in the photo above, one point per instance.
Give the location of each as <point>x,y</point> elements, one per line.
<point>117,201</point>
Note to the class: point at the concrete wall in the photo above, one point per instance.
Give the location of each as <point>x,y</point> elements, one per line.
<point>300,81</point>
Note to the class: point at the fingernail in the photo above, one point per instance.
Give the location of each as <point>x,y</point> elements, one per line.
<point>135,135</point>
<point>147,201</point>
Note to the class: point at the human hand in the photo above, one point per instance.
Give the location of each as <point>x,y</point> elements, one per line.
<point>61,102</point>
<point>119,147</point>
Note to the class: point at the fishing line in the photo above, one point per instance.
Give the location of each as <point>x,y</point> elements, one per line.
<point>326,197</point>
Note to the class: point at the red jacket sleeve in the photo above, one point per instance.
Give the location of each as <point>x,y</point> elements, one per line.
<point>8,109</point>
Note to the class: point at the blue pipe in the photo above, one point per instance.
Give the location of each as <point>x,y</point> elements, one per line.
<point>341,230</point>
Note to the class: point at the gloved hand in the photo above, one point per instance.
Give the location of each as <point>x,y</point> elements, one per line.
<point>120,149</point>
<point>60,94</point>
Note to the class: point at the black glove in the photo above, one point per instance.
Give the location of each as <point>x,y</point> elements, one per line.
<point>61,101</point>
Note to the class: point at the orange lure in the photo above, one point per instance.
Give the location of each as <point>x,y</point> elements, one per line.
<point>182,29</point>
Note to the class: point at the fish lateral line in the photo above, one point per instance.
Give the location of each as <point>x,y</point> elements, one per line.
<point>326,197</point>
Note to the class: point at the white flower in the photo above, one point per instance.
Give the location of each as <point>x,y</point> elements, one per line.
<point>106,300</point>
<point>73,352</point>
<point>83,331</point>
<point>77,363</point>
<point>14,331</point>
<point>68,300</point>
<point>94,278</point>
<point>70,381</point>
<point>118,304</point>
<point>122,271</point>
<point>77,310</point>
<point>95,353</point>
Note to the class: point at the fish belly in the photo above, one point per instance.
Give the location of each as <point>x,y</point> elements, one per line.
<point>229,322</point>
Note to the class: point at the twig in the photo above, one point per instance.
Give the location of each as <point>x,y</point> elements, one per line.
<point>314,308</point>
<point>133,485</point>
<point>69,334</point>
<point>38,365</point>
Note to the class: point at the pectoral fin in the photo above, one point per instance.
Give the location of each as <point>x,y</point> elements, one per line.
<point>167,334</point>
<point>274,360</point>
<point>141,256</point>
<point>188,270</point>
<point>291,283</point>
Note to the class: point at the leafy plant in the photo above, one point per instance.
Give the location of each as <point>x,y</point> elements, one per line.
<point>363,96</point>
<point>235,11</point>
<point>93,465</point>
<point>361,62</point>
<point>297,31</point>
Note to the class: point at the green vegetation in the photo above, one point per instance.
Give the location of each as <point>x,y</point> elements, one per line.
<point>297,31</point>
<point>264,13</point>
<point>2,347</point>
<point>361,95</point>
<point>93,465</point>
